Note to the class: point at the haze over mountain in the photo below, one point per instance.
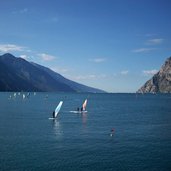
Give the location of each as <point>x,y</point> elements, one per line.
<point>17,74</point>
<point>160,82</point>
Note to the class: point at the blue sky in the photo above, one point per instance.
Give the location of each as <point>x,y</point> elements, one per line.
<point>114,45</point>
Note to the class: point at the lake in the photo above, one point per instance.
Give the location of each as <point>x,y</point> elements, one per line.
<point>120,132</point>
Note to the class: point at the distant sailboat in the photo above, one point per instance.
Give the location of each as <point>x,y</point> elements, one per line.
<point>24,96</point>
<point>15,94</point>
<point>55,113</point>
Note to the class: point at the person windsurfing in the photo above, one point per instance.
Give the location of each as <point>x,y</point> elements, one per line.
<point>53,114</point>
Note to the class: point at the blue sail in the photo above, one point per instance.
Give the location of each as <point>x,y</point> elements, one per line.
<point>58,108</point>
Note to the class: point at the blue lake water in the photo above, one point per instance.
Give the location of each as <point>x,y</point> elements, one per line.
<point>81,142</point>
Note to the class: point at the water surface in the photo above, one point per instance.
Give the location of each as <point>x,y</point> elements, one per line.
<point>141,139</point>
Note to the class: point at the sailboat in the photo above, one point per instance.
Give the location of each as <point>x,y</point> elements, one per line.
<point>24,96</point>
<point>83,108</point>
<point>55,113</point>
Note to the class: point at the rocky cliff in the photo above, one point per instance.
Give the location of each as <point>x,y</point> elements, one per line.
<point>160,82</point>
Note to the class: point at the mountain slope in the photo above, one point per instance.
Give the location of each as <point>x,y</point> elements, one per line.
<point>160,82</point>
<point>75,86</point>
<point>17,74</point>
<point>9,81</point>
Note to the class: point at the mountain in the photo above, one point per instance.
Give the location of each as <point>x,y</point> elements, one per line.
<point>75,86</point>
<point>160,82</point>
<point>17,74</point>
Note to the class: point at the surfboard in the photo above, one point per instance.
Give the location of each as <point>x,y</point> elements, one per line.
<point>78,111</point>
<point>52,118</point>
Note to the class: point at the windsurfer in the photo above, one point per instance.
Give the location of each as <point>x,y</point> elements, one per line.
<point>53,114</point>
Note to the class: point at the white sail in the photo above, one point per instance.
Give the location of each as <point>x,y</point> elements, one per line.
<point>84,105</point>
<point>58,108</point>
<point>24,96</point>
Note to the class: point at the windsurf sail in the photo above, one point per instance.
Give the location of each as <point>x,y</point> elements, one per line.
<point>58,108</point>
<point>24,96</point>
<point>84,105</point>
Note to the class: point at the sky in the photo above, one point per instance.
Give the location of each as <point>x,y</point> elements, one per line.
<point>113,45</point>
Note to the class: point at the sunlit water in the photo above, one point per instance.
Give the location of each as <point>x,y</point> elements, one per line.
<point>141,136</point>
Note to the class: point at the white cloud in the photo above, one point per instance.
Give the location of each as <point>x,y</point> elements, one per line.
<point>149,72</point>
<point>46,57</point>
<point>150,34</point>
<point>25,10</point>
<point>21,11</point>
<point>60,70</point>
<point>90,77</point>
<point>124,72</point>
<point>11,47</point>
<point>103,76</point>
<point>85,77</point>
<point>141,50</point>
<point>24,57</point>
<point>98,60</point>
<point>154,41</point>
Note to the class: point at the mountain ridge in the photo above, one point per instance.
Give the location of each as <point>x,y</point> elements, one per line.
<point>74,85</point>
<point>18,74</point>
